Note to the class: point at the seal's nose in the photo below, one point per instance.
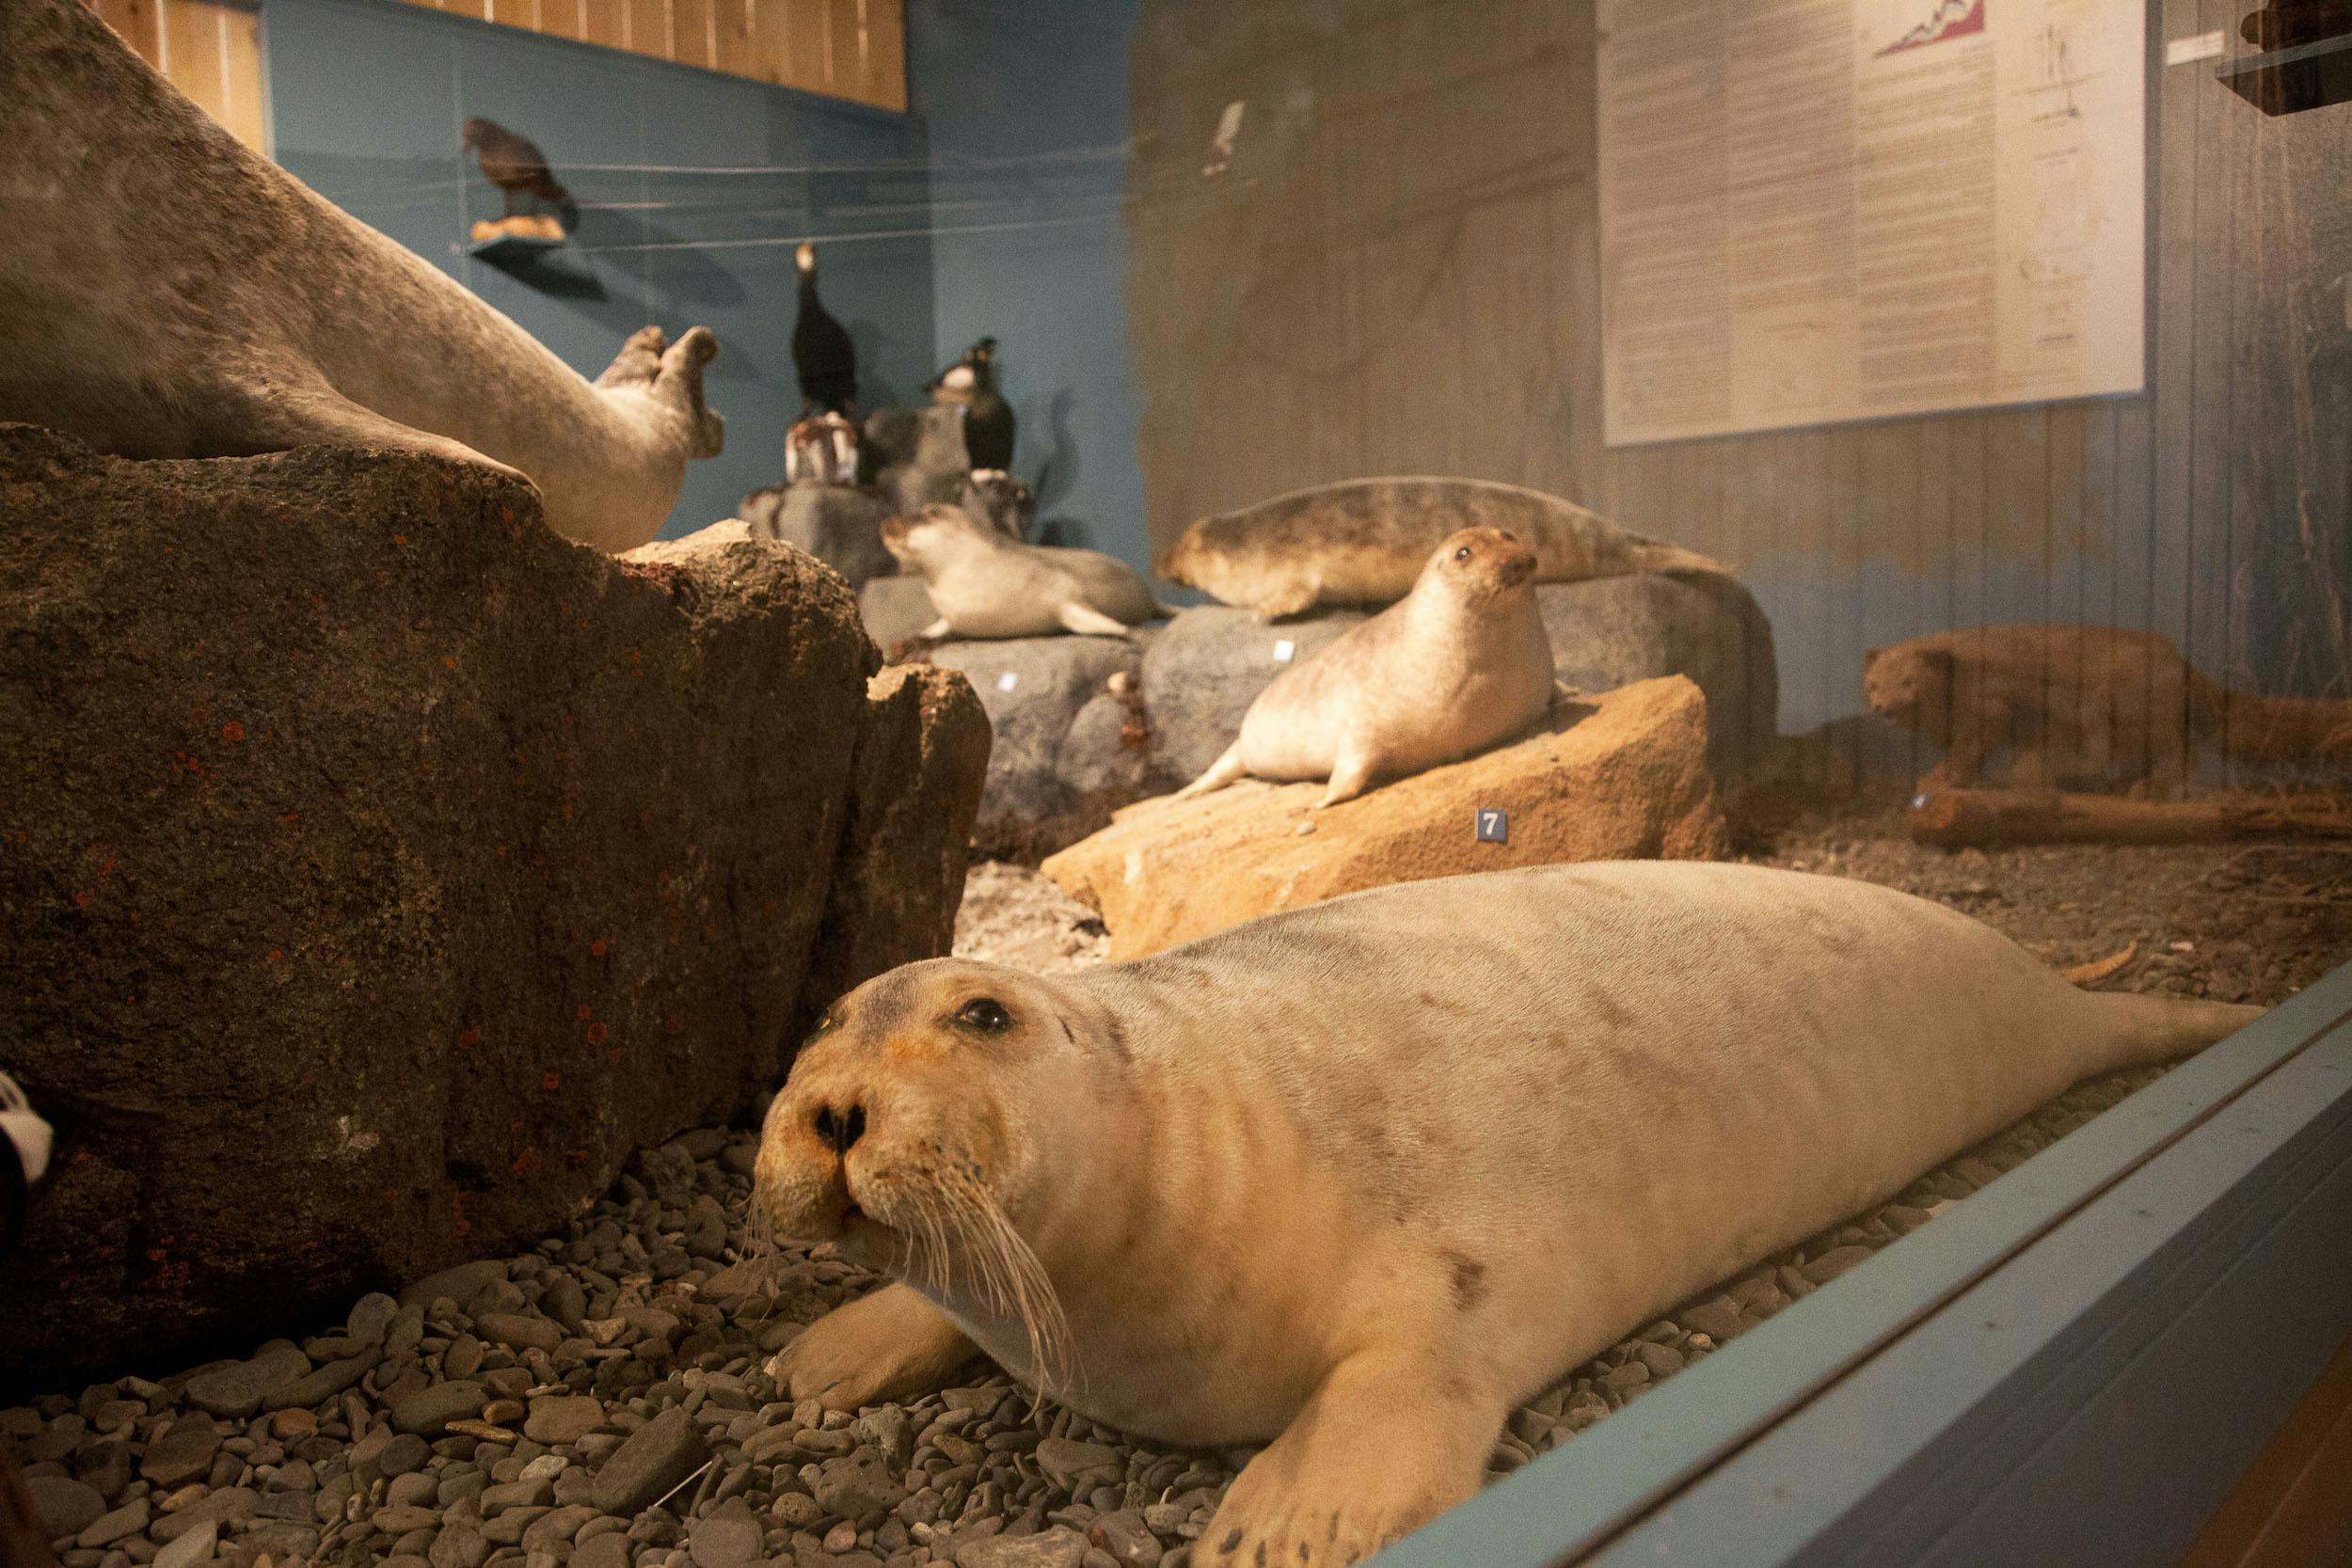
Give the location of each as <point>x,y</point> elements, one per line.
<point>839,1127</point>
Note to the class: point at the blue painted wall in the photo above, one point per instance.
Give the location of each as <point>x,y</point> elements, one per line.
<point>367,98</point>
<point>1025,106</point>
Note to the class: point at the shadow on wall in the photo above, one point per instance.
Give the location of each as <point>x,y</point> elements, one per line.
<point>692,187</point>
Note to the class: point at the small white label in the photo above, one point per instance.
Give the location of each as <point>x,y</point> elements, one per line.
<point>1284,649</point>
<point>2201,46</point>
<point>1006,681</point>
<point>1494,827</point>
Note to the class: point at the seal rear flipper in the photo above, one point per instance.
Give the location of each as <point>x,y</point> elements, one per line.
<point>274,418</point>
<point>1089,622</point>
<point>1224,770</point>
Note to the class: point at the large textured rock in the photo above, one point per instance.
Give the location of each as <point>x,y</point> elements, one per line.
<point>1210,663</point>
<point>1622,777</point>
<point>838,524</point>
<point>1059,762</point>
<point>380,869</point>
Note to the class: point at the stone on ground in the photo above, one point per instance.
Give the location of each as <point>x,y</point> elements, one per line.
<point>1206,667</point>
<point>1612,631</point>
<point>1621,776</point>
<point>659,1455</point>
<point>396,851</point>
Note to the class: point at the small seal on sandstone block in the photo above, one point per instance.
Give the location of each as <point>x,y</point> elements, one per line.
<point>1454,666</point>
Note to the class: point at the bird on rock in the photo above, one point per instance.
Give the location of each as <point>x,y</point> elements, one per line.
<point>988,419</point>
<point>517,168</point>
<point>823,356</point>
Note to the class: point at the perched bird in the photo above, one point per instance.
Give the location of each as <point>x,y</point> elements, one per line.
<point>517,168</point>
<point>823,355</point>
<point>988,422</point>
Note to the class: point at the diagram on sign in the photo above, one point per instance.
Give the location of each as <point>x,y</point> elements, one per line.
<point>1952,19</point>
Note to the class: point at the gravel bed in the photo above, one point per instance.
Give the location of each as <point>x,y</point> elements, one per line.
<point>602,1399</point>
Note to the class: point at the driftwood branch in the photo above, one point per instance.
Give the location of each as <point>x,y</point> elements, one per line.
<point>1986,818</point>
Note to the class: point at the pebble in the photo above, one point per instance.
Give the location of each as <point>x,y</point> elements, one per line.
<point>237,1391</point>
<point>1054,1548</point>
<point>289,1425</point>
<point>658,1456</point>
<point>520,1331</point>
<point>859,1485</point>
<point>183,1453</point>
<point>190,1549</point>
<point>1126,1539</point>
<point>459,1546</point>
<point>556,1419</point>
<point>1832,1263</point>
<point>604,1551</point>
<point>729,1537</point>
<point>460,1284</point>
<point>428,1412</point>
<point>107,1528</point>
<point>403,1454</point>
<point>64,1507</point>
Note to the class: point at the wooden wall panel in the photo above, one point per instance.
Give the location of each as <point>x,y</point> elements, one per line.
<point>1400,273</point>
<point>211,50</point>
<point>853,49</point>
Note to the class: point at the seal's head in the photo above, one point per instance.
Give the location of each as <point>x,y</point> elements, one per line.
<point>916,1129</point>
<point>1482,568</point>
<point>928,535</point>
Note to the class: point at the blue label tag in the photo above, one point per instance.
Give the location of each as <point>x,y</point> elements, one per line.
<point>1494,827</point>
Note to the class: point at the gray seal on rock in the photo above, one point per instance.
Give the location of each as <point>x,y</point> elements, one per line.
<point>984,584</point>
<point>1457,664</point>
<point>1361,1178</point>
<point>166,292</point>
<point>1362,541</point>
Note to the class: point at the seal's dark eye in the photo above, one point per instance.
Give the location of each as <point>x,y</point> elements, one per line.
<point>984,1013</point>
<point>1462,554</point>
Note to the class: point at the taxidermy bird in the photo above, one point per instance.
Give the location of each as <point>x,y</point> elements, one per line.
<point>518,169</point>
<point>988,422</point>
<point>822,355</point>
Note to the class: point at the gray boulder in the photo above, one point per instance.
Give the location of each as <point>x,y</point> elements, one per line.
<point>838,524</point>
<point>1205,669</point>
<point>918,455</point>
<point>391,867</point>
<point>1056,765</point>
<point>1612,631</point>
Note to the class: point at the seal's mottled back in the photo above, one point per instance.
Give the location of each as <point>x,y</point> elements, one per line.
<point>1364,541</point>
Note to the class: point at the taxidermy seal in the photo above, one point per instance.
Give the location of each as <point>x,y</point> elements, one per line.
<point>1362,541</point>
<point>1360,1178</point>
<point>1460,662</point>
<point>2080,704</point>
<point>986,585</point>
<point>165,291</point>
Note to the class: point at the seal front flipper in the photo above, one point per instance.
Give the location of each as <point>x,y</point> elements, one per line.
<point>1351,774</point>
<point>880,1348</point>
<point>1388,1441</point>
<point>1089,621</point>
<point>307,413</point>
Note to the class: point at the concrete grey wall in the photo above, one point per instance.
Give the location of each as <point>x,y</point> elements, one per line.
<point>367,98</point>
<point>1024,106</point>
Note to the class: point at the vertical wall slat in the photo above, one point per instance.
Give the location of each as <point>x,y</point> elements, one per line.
<point>139,23</point>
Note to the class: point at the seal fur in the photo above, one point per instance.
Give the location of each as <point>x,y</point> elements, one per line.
<point>984,584</point>
<point>1362,541</point>
<point>1362,1176</point>
<point>166,292</point>
<point>1460,662</point>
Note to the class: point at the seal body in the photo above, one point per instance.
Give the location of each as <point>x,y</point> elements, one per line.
<point>1362,541</point>
<point>1457,664</point>
<point>165,291</point>
<point>984,584</point>
<point>1361,1176</point>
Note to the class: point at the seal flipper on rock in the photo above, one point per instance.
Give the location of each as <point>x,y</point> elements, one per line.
<point>880,1348</point>
<point>1224,770</point>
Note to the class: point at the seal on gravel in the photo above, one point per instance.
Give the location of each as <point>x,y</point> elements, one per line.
<point>166,292</point>
<point>1362,541</point>
<point>1457,664</point>
<point>1360,1178</point>
<point>984,584</point>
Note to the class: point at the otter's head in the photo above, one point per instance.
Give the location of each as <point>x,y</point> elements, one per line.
<point>1910,686</point>
<point>1483,567</point>
<point>929,534</point>
<point>916,1128</point>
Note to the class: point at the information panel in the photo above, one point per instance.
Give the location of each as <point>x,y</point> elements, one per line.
<point>1824,210</point>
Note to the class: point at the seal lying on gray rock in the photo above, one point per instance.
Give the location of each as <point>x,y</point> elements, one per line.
<point>986,585</point>
<point>1326,1180</point>
<point>1454,666</point>
<point>165,291</point>
<point>1364,541</point>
